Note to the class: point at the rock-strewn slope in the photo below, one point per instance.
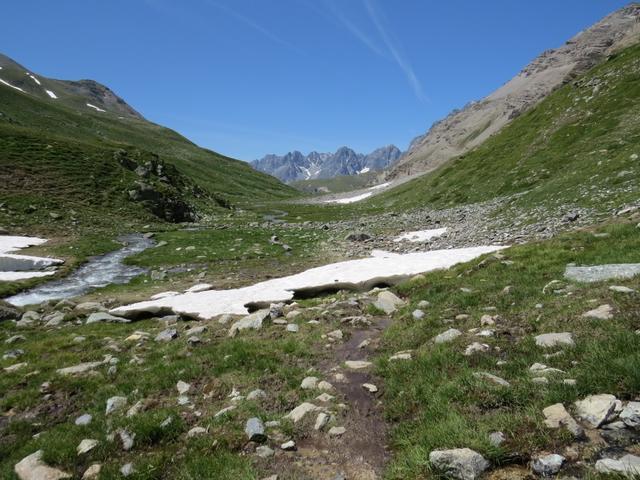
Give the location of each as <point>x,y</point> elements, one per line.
<point>467,128</point>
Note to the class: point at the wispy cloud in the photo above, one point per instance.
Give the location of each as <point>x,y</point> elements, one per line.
<point>253,24</point>
<point>392,46</point>
<point>390,50</point>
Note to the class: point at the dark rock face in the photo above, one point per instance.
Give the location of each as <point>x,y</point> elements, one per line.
<point>160,187</point>
<point>295,166</point>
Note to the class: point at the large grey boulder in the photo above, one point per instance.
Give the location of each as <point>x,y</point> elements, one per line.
<point>459,463</point>
<point>388,302</point>
<point>32,467</point>
<point>596,409</point>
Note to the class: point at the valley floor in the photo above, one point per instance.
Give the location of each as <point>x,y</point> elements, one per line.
<point>344,385</point>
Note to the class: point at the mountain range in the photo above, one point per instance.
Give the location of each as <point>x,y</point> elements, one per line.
<point>295,166</point>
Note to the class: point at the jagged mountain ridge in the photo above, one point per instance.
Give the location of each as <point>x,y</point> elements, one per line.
<point>295,166</point>
<point>466,128</point>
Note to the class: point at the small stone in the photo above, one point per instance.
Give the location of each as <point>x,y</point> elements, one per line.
<point>492,378</point>
<point>423,304</point>
<point>447,336</point>
<point>476,347</point>
<point>400,356</point>
<point>309,383</point>
<point>337,431</point>
<point>86,445</point>
<point>83,420</point>
<point>127,470</point>
<point>547,340</point>
<point>603,312</point>
<point>290,445</point>
<point>497,438</point>
<point>264,452</point>
<point>256,395</point>
<point>93,472</point>
<point>556,416</point>
<point>254,429</point>
<point>417,314</point>
<point>127,439</point>
<point>370,387</point>
<point>336,334</point>
<point>324,386</point>
<point>321,421</point>
<point>196,431</point>
<point>115,403</point>
<point>357,364</point>
<point>293,328</point>
<point>300,411</point>
<point>183,387</point>
<point>548,465</point>
<point>621,289</point>
<point>167,335</point>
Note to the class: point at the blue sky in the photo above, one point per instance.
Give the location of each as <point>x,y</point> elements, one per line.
<point>250,77</point>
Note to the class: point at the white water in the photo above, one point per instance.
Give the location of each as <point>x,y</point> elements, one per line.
<point>98,272</point>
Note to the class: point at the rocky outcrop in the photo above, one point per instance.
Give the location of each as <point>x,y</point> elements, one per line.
<point>468,127</point>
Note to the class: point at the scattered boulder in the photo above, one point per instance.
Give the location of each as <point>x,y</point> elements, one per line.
<point>603,312</point>
<point>254,430</point>
<point>476,347</point>
<point>447,336</point>
<point>93,472</point>
<point>630,415</point>
<point>548,340</point>
<point>86,445</point>
<point>459,463</point>
<point>32,467</point>
<point>596,409</point>
<point>388,302</point>
<point>167,335</point>
<point>548,465</point>
<point>628,465</point>
<point>300,411</point>
<point>115,403</point>
<point>358,237</point>
<point>8,311</point>
<point>556,416</point>
<point>104,317</point>
<point>492,378</point>
<point>252,321</point>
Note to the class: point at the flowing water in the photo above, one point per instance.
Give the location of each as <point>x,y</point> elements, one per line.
<point>97,272</point>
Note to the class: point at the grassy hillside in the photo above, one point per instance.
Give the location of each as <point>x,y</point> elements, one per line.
<point>55,155</point>
<point>578,146</point>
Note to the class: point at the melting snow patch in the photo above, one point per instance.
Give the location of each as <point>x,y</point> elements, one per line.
<point>12,86</point>
<point>51,94</point>
<point>19,267</point>
<point>96,108</point>
<point>361,274</point>
<point>365,170</point>
<point>33,78</point>
<point>420,235</point>
<point>378,187</point>
<point>344,201</point>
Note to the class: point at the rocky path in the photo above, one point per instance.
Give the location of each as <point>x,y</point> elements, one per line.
<point>349,435</point>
